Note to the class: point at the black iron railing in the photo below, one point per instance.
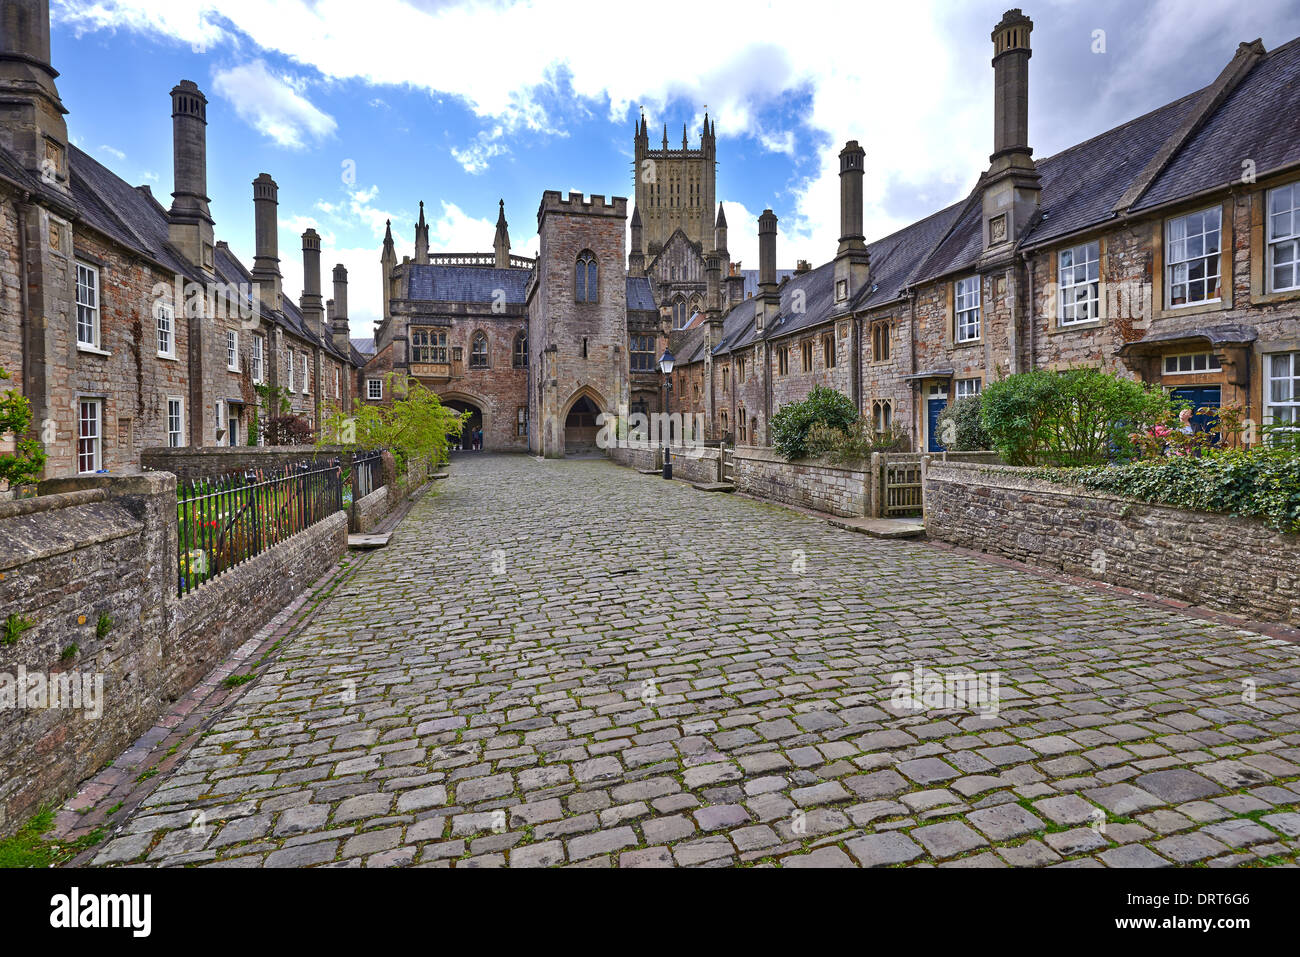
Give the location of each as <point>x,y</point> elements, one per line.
<point>225,521</point>
<point>365,476</point>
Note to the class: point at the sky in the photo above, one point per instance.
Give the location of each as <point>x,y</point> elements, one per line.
<point>362,110</point>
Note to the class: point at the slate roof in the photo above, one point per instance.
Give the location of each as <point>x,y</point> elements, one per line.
<point>364,346</point>
<point>751,279</point>
<point>640,297</point>
<point>12,170</point>
<point>471,284</point>
<point>1259,121</point>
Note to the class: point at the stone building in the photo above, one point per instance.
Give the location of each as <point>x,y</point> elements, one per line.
<point>122,321</point>
<point>1165,249</point>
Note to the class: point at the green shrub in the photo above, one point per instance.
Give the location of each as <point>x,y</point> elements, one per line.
<point>791,425</point>
<point>1076,418</point>
<point>857,443</point>
<point>25,463</point>
<point>1256,483</point>
<point>960,428</point>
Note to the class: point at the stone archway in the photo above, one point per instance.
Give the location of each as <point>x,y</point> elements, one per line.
<point>476,420</point>
<point>580,425</point>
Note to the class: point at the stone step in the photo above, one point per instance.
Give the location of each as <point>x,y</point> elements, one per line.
<point>713,486</point>
<point>369,540</point>
<point>882,527</point>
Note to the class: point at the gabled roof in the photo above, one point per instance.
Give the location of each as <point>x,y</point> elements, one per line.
<point>640,297</point>
<point>364,346</point>
<point>468,284</point>
<point>678,236</point>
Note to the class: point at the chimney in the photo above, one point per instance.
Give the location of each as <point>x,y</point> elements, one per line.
<point>32,127</point>
<point>635,257</point>
<point>852,261</point>
<point>266,258</point>
<point>501,242</point>
<point>313,312</point>
<point>339,311</point>
<point>189,221</point>
<point>770,305</point>
<point>1012,188</point>
<point>735,285</point>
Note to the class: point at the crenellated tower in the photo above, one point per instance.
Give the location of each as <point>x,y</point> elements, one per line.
<point>675,188</point>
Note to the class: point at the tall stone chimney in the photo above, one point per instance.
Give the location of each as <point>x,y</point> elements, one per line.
<point>313,311</point>
<point>635,256</point>
<point>339,316</point>
<point>1012,187</point>
<point>32,127</point>
<point>852,261</point>
<point>501,242</point>
<point>266,257</point>
<point>770,305</point>
<point>189,221</point>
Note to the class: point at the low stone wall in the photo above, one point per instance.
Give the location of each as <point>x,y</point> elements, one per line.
<point>370,511</point>
<point>697,464</point>
<point>1236,565</point>
<point>191,464</point>
<point>88,597</point>
<point>643,459</point>
<point>810,483</point>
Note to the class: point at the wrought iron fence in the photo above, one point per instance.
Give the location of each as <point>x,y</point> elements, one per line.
<point>366,475</point>
<point>226,521</point>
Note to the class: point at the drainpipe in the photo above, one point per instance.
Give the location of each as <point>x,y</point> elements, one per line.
<point>856,352</point>
<point>25,309</point>
<point>1029,311</point>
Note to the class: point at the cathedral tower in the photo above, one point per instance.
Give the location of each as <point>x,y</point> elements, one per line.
<point>675,188</point>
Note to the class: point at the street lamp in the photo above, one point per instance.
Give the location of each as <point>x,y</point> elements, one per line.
<point>666,362</point>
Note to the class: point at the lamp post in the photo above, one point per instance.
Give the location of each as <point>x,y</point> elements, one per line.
<point>666,362</point>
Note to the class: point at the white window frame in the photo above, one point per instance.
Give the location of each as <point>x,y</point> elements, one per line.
<point>1291,375</point>
<point>289,370</point>
<point>338,383</point>
<point>259,353</point>
<point>1178,258</point>
<point>221,420</point>
<point>1211,363</point>
<point>1284,236</point>
<point>175,437</point>
<point>87,299</point>
<point>232,350</point>
<point>1078,271</point>
<point>966,297</point>
<point>306,375</point>
<point>965,388</point>
<point>96,440</point>
<point>374,389</point>
<point>165,322</point>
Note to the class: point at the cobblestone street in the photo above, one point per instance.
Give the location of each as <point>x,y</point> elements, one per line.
<point>571,663</point>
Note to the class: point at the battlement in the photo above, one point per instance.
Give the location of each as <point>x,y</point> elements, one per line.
<point>553,201</point>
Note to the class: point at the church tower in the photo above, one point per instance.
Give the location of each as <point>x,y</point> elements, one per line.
<point>675,188</point>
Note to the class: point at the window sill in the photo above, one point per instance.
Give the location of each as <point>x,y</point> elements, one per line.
<point>232,369</point>
<point>1059,328</point>
<point>92,351</point>
<point>968,343</point>
<point>1214,305</point>
<point>1284,295</point>
<point>167,356</point>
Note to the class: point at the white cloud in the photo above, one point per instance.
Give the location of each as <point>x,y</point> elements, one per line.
<point>273,104</point>
<point>115,153</point>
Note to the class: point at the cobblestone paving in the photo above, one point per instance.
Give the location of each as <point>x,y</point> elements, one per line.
<point>570,663</point>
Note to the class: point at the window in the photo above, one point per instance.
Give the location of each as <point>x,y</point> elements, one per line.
<point>338,383</point>
<point>880,340</point>
<point>219,421</point>
<point>782,361</point>
<point>232,350</point>
<point>967,293</point>
<point>643,353</point>
<point>232,434</point>
<point>87,306</point>
<point>741,424</point>
<point>306,376</point>
<point>175,423</point>
<point>478,351</point>
<point>1282,398</point>
<point>288,364</point>
<point>828,352</point>
<point>679,313</point>
<point>724,422</point>
<point>806,350</point>
<point>1192,248</point>
<point>741,369</point>
<point>521,351</point>
<point>521,421</point>
<point>1191,363</point>
<point>166,338</point>
<point>1284,238</point>
<point>882,415</point>
<point>1079,276</point>
<point>259,346</point>
<point>90,435</point>
<point>429,345</point>
<point>726,379</point>
<point>584,277</point>
<point>374,389</point>
<point>968,387</point>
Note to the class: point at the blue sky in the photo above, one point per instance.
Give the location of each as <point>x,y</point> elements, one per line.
<point>360,111</point>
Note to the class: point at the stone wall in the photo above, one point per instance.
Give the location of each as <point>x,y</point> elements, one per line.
<point>695,464</point>
<point>637,458</point>
<point>1235,565</point>
<point>191,464</point>
<point>369,511</point>
<point>814,483</point>
<point>88,589</point>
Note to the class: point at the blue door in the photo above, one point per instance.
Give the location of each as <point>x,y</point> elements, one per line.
<point>936,407</point>
<point>1201,397</point>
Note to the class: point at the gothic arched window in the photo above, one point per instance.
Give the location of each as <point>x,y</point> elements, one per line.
<point>584,277</point>
<point>521,350</point>
<point>478,351</point>
<point>679,313</point>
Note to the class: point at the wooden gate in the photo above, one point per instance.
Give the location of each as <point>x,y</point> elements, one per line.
<point>729,464</point>
<point>902,484</point>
